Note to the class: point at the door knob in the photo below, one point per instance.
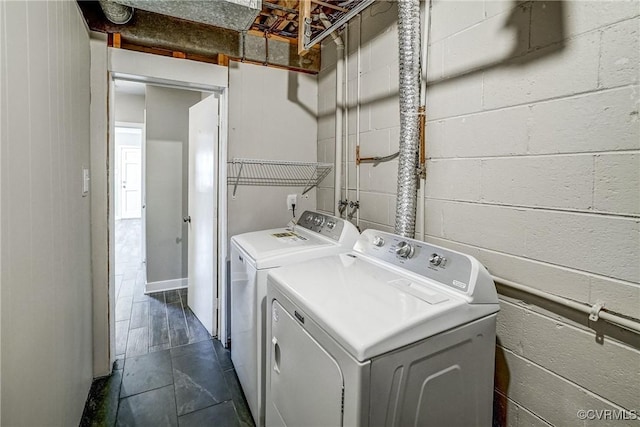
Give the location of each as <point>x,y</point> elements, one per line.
<point>186,219</point>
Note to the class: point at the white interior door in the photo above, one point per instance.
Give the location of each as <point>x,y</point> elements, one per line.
<point>130,182</point>
<point>203,195</point>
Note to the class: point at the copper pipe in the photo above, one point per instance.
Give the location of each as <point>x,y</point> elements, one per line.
<point>421,129</point>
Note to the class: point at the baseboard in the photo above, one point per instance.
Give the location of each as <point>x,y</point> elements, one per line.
<point>165,285</point>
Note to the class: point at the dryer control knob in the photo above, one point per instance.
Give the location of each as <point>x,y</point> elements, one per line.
<point>404,250</point>
<point>378,241</point>
<point>437,260</point>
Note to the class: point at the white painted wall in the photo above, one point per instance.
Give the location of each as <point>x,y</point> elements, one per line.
<point>46,298</point>
<point>129,108</point>
<point>533,143</point>
<point>101,239</point>
<point>167,181</point>
<point>272,116</point>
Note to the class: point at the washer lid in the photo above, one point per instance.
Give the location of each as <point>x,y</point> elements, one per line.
<point>270,248</point>
<point>370,309</point>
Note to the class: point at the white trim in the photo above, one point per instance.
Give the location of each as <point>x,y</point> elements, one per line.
<point>145,67</point>
<point>134,125</point>
<point>223,315</point>
<point>165,285</point>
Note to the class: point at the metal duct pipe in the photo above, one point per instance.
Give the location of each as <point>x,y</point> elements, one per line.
<point>116,12</point>
<point>409,45</point>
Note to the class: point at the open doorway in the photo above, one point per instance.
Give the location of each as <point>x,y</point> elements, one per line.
<point>151,198</point>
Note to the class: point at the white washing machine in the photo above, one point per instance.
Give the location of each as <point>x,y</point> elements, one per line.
<point>253,255</point>
<point>395,333</point>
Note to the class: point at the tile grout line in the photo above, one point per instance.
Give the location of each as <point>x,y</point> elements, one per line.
<point>184,316</point>
<point>166,315</point>
<point>173,383</point>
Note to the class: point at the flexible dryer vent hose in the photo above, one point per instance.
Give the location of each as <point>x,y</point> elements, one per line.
<point>409,46</point>
<point>116,12</point>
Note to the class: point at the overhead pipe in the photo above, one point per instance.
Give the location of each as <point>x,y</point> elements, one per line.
<point>338,136</point>
<point>595,311</point>
<point>346,116</point>
<point>115,12</point>
<point>337,170</point>
<point>358,92</point>
<point>409,46</point>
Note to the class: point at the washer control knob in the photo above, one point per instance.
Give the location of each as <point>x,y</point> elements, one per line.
<point>331,225</point>
<point>309,218</point>
<point>404,250</point>
<point>318,221</point>
<point>437,260</point>
<point>378,241</point>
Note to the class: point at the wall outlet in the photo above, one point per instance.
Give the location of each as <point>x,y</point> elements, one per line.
<point>292,199</point>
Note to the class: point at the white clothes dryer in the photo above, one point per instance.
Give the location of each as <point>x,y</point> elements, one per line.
<point>253,255</point>
<point>397,332</point>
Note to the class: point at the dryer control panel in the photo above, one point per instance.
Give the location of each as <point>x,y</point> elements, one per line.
<point>460,272</point>
<point>325,225</point>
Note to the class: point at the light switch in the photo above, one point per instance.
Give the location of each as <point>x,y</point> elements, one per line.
<point>85,181</point>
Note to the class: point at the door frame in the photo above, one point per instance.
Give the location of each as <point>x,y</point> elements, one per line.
<point>108,64</point>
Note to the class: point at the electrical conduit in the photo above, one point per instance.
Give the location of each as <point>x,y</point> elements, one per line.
<point>337,170</point>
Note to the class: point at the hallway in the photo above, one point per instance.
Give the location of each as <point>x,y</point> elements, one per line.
<point>168,370</point>
<point>147,323</point>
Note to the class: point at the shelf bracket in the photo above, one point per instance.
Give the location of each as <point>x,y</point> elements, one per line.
<point>235,186</point>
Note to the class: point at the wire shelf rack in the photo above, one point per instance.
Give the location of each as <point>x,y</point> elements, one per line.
<point>276,173</point>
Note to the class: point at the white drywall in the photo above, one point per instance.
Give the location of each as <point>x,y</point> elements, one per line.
<point>101,239</point>
<point>129,108</point>
<point>151,68</point>
<point>533,146</point>
<point>45,220</point>
<point>167,181</point>
<point>272,116</point>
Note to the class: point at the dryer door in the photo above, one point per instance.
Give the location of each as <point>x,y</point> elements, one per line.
<point>306,382</point>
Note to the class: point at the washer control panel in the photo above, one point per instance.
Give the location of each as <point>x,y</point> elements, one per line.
<point>325,225</point>
<point>442,265</point>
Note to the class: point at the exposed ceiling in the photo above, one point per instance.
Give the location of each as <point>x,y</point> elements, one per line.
<point>281,16</point>
<point>264,32</point>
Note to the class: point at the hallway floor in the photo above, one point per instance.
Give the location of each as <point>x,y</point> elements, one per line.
<point>168,370</point>
<point>147,323</point>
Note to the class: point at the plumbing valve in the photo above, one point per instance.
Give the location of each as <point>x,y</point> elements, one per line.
<point>354,207</point>
<point>342,205</point>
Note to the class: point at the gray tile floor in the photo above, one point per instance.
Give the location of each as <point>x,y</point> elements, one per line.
<point>168,371</point>
<point>147,323</point>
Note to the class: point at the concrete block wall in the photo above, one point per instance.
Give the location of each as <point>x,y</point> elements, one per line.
<point>533,147</point>
<point>376,33</point>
